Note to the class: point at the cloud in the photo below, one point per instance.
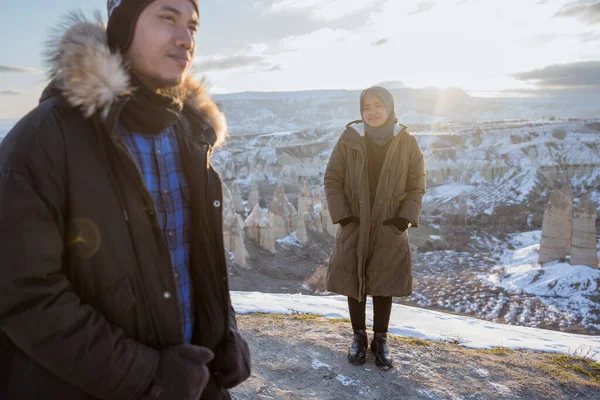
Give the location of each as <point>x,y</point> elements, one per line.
<point>585,74</point>
<point>568,95</point>
<point>10,93</point>
<point>232,62</point>
<point>15,69</point>
<point>224,63</point>
<point>380,42</point>
<point>585,11</point>
<point>274,68</point>
<point>423,7</point>
<point>589,37</point>
<point>326,10</point>
<point>392,85</point>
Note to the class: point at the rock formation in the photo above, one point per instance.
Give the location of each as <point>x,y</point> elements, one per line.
<point>253,197</point>
<point>233,229</point>
<point>301,233</point>
<point>236,195</point>
<point>282,213</point>
<point>583,249</point>
<point>557,226</point>
<point>259,228</point>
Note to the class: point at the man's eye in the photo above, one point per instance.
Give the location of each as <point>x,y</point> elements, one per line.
<point>168,18</point>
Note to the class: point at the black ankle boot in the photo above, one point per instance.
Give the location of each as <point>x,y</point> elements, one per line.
<point>381,351</point>
<point>357,354</point>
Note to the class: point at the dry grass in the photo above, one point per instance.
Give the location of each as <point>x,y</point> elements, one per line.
<point>437,365</point>
<point>580,365</point>
<point>498,350</point>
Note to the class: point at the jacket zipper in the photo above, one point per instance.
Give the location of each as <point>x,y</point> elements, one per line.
<point>225,289</point>
<point>122,149</point>
<point>360,149</point>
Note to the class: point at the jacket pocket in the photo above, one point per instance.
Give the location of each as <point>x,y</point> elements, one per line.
<point>344,256</point>
<point>117,304</point>
<point>348,237</point>
<point>388,236</point>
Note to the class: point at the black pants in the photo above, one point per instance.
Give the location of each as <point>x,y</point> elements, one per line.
<point>382,309</point>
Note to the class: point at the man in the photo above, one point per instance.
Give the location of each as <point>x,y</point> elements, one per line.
<point>113,281</point>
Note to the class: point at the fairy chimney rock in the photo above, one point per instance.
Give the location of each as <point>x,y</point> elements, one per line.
<point>233,229</point>
<point>266,240</point>
<point>557,226</point>
<point>259,228</point>
<point>282,214</point>
<point>301,233</point>
<point>253,197</point>
<point>583,249</point>
<point>252,223</point>
<point>236,195</point>
<point>304,197</point>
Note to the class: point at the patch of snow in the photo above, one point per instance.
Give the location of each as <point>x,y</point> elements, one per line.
<point>344,380</point>
<point>526,238</point>
<point>503,390</point>
<point>424,324</point>
<point>316,364</point>
<point>447,191</point>
<point>566,287</point>
<point>290,240</point>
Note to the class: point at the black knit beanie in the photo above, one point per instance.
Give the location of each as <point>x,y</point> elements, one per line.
<point>122,18</point>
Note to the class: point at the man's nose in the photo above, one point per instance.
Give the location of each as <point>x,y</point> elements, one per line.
<point>184,38</point>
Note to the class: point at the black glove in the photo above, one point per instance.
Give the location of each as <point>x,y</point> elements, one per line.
<point>232,361</point>
<point>182,373</point>
<point>400,223</point>
<point>349,220</point>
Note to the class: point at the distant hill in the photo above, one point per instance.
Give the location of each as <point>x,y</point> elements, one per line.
<point>264,112</point>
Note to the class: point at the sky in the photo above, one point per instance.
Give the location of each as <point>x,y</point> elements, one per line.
<point>486,47</point>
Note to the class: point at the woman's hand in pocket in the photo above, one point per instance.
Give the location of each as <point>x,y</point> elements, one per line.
<point>402,224</point>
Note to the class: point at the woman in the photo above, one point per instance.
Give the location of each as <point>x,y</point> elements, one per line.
<point>375,181</point>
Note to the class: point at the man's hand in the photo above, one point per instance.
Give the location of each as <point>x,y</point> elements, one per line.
<point>232,361</point>
<point>182,373</point>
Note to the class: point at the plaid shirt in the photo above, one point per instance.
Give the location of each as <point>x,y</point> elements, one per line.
<point>159,161</point>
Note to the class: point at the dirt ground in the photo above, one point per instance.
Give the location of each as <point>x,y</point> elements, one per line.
<point>304,357</point>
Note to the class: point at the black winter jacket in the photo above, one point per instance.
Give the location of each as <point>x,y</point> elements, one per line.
<point>87,293</point>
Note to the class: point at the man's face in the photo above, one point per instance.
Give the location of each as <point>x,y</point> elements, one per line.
<point>163,43</point>
<point>374,112</point>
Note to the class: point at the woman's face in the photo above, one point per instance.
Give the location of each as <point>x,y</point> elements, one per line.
<point>374,112</point>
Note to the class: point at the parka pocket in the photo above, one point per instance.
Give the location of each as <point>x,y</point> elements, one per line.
<point>349,236</point>
<point>344,254</point>
<point>388,236</point>
<point>117,304</point>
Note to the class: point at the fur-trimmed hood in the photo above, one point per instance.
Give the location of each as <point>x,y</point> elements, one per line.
<point>93,79</point>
